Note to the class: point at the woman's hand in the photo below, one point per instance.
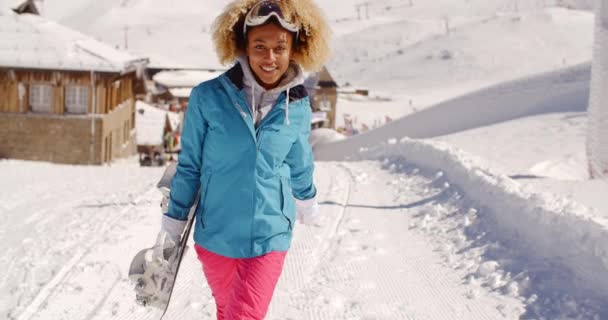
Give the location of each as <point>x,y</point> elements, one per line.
<point>307,211</point>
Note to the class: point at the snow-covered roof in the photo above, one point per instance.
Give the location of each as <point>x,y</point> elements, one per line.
<point>150,124</point>
<point>31,41</point>
<point>184,78</point>
<point>181,92</point>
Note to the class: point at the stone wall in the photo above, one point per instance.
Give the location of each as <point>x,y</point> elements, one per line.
<point>67,139</point>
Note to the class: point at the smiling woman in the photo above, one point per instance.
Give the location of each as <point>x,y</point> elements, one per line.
<point>245,146</point>
<point>269,50</point>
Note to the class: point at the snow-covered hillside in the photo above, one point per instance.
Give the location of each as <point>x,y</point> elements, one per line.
<point>563,90</point>
<point>418,60</point>
<point>424,232</point>
<point>394,47</point>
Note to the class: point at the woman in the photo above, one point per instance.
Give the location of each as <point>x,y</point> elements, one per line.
<point>245,145</point>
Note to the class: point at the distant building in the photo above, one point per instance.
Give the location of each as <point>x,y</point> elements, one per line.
<point>157,133</point>
<point>323,91</point>
<point>174,86</point>
<point>64,97</point>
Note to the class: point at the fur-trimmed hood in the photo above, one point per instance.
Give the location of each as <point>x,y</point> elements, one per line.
<point>312,50</point>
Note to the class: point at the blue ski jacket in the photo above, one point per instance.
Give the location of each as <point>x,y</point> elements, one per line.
<point>248,177</point>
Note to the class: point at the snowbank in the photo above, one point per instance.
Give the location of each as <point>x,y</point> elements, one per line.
<point>324,135</point>
<point>536,225</point>
<point>558,91</point>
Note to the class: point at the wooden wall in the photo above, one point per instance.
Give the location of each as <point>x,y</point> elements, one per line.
<point>111,89</point>
<point>58,137</point>
<point>9,93</point>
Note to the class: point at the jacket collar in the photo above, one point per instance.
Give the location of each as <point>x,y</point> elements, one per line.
<point>294,76</point>
<point>296,92</point>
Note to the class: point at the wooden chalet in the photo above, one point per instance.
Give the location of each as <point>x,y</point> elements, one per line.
<point>323,91</point>
<point>64,97</point>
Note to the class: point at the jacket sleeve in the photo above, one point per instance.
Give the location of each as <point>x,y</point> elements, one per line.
<point>186,182</point>
<point>301,162</point>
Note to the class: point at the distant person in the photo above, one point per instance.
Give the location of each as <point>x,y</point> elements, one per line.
<point>245,146</point>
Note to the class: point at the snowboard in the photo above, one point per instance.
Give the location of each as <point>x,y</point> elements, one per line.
<point>138,266</point>
<point>181,250</point>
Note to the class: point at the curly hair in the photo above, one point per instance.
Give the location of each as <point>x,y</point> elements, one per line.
<point>312,50</point>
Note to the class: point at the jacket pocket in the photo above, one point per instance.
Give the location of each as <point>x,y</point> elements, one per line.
<point>285,198</point>
<point>275,142</point>
<point>204,192</point>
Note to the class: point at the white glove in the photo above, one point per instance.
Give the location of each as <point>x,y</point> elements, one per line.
<point>173,228</point>
<point>307,211</point>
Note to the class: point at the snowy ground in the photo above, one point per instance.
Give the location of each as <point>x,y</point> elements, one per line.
<point>412,229</point>
<point>53,217</point>
<point>554,149</point>
<point>396,242</point>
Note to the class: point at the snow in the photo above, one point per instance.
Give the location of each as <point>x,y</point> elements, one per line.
<point>323,136</point>
<point>150,123</point>
<point>472,203</point>
<point>184,78</point>
<point>25,37</point>
<point>538,225</point>
<point>416,60</point>
<point>180,92</point>
<point>557,91</point>
<point>537,137</point>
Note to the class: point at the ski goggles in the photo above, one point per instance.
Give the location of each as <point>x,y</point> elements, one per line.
<point>264,10</point>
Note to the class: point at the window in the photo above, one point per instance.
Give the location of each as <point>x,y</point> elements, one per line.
<point>77,99</point>
<point>41,96</point>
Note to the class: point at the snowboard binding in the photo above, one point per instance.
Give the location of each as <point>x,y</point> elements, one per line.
<point>154,270</point>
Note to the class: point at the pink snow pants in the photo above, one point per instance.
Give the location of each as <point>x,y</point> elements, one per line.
<point>242,288</point>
